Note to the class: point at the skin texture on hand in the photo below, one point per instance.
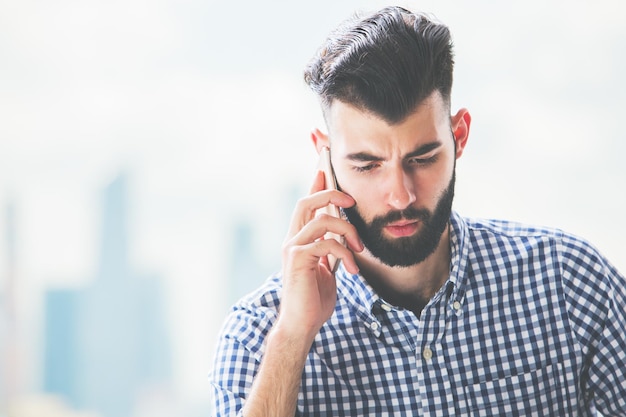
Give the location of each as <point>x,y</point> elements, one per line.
<point>308,298</point>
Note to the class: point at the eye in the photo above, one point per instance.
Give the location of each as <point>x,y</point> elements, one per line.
<point>423,161</point>
<point>365,168</point>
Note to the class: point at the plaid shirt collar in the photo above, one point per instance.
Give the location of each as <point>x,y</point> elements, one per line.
<point>367,302</point>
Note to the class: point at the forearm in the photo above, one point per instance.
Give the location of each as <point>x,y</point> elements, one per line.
<point>308,299</point>
<point>275,388</point>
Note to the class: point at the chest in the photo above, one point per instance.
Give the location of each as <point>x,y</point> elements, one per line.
<point>492,351</point>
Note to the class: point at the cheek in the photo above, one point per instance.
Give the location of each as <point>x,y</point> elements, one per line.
<point>435,180</point>
<point>368,195</point>
<point>432,184</point>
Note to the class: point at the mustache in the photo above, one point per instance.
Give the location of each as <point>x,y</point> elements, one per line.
<point>409,213</point>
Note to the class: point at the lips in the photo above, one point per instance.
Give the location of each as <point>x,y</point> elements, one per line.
<point>402,229</point>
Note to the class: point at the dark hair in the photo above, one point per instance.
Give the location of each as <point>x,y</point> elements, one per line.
<point>386,63</point>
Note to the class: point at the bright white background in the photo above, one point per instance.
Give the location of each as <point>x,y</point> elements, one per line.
<point>202,104</point>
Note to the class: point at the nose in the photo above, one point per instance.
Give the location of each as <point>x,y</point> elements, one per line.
<point>401,190</point>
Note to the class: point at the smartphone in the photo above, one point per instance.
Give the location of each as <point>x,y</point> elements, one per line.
<point>331,184</point>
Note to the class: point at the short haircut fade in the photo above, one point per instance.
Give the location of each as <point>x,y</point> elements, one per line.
<point>386,63</point>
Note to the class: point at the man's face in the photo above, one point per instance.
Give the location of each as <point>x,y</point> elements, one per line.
<point>401,176</point>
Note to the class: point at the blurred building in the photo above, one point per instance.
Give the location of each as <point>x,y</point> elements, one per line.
<point>107,344</point>
<point>8,313</point>
<point>247,271</point>
<point>251,261</point>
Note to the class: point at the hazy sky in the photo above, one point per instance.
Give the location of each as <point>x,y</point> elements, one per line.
<point>203,105</point>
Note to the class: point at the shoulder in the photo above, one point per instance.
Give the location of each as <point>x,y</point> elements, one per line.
<point>251,317</point>
<point>265,298</point>
<point>575,258</point>
<point>496,242</point>
<point>510,229</point>
<point>564,244</point>
<point>585,277</point>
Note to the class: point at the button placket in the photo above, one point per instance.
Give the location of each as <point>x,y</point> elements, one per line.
<point>432,366</point>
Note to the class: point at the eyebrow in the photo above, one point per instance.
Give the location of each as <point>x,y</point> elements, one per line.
<point>419,151</point>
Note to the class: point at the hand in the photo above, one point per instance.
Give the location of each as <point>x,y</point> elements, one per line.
<point>309,288</point>
<point>308,299</point>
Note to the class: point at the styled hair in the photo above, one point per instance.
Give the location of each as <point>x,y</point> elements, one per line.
<point>386,63</point>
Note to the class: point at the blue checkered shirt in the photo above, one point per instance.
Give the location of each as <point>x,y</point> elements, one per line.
<point>530,322</point>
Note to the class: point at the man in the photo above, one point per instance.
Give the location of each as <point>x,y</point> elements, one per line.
<point>429,313</point>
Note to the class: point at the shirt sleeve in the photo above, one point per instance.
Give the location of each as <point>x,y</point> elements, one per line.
<point>596,295</point>
<point>231,377</point>
<point>238,355</point>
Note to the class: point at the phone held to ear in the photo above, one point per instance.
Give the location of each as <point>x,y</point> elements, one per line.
<point>331,184</point>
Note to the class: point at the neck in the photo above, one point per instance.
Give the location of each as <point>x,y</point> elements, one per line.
<point>408,287</point>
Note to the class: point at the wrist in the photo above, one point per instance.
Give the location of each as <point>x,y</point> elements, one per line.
<point>293,337</point>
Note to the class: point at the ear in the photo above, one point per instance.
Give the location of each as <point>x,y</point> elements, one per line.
<point>460,124</point>
<point>319,139</point>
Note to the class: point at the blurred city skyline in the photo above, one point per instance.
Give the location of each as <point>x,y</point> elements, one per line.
<point>106,345</point>
<point>202,107</point>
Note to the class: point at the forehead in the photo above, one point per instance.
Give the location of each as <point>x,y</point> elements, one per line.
<point>347,123</point>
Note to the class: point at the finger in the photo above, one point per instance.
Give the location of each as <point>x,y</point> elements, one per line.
<point>325,261</point>
<point>319,251</point>
<point>302,213</point>
<point>319,182</point>
<point>340,252</point>
<point>324,224</point>
<point>307,207</point>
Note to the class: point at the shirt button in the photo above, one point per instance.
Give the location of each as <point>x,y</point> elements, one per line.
<point>385,307</point>
<point>427,353</point>
<point>374,326</point>
<point>456,305</point>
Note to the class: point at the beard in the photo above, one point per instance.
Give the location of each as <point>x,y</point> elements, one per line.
<point>410,250</point>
